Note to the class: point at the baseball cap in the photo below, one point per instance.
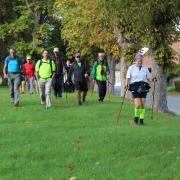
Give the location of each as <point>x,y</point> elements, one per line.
<point>28,57</point>
<point>77,54</point>
<point>56,49</point>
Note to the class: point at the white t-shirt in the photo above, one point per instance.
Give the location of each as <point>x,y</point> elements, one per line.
<point>135,74</point>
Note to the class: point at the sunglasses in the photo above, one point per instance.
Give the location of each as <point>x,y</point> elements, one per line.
<point>77,56</point>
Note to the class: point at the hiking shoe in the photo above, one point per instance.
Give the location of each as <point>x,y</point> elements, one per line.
<point>100,100</point>
<point>16,104</point>
<point>79,103</point>
<point>43,102</point>
<point>136,120</point>
<point>84,99</point>
<point>141,123</point>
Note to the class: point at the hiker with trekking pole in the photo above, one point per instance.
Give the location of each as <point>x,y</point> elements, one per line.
<point>137,79</point>
<point>57,81</point>
<point>45,71</point>
<point>80,71</point>
<point>100,75</point>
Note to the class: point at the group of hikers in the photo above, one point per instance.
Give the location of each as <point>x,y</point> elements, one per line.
<point>60,74</point>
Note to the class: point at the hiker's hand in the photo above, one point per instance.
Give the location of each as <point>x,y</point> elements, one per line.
<point>86,75</point>
<point>127,86</point>
<point>94,80</point>
<point>154,79</point>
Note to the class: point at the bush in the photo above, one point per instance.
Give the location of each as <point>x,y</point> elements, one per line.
<point>177,85</point>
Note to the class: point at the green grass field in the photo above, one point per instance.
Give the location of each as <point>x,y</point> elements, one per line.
<point>85,142</point>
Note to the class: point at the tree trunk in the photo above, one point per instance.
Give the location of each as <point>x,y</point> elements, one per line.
<point>160,100</point>
<point>112,66</point>
<point>123,71</point>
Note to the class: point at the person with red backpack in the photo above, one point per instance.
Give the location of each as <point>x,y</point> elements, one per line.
<point>12,70</point>
<point>100,73</point>
<point>29,70</point>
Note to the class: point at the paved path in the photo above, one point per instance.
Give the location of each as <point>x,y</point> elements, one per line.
<point>172,102</point>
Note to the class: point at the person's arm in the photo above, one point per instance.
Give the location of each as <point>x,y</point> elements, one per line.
<point>5,68</point>
<point>93,73</point>
<point>37,70</point>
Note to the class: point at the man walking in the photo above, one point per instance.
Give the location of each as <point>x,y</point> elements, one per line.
<point>12,70</point>
<point>100,73</point>
<point>45,71</point>
<point>58,78</point>
<point>81,73</point>
<point>29,70</point>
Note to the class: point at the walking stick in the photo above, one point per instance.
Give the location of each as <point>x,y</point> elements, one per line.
<point>119,113</point>
<point>153,94</point>
<point>109,83</point>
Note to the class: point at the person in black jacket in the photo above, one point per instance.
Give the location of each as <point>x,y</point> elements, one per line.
<point>58,78</point>
<point>81,74</point>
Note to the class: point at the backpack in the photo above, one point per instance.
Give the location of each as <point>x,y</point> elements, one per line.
<point>50,63</point>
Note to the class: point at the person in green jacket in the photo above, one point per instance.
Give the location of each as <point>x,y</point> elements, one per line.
<point>100,74</point>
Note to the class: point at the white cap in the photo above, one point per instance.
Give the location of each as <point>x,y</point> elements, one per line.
<point>28,57</point>
<point>56,49</point>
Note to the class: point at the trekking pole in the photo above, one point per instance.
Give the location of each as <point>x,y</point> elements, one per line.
<point>119,113</point>
<point>109,83</point>
<point>153,95</point>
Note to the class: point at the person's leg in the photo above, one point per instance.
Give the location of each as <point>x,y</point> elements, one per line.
<point>85,90</point>
<point>42,91</point>
<point>55,85</point>
<point>100,90</point>
<point>137,105</point>
<point>31,85</point>
<point>79,97</point>
<point>11,87</point>
<point>48,85</point>
<point>17,82</point>
<point>23,85</point>
<point>142,110</point>
<point>60,86</point>
<point>28,85</point>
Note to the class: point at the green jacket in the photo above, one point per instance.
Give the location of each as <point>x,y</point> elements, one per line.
<point>99,71</point>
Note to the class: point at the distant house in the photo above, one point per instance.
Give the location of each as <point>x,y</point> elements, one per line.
<point>176,48</point>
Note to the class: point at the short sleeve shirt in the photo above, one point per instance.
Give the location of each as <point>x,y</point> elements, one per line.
<point>136,74</point>
<point>13,64</point>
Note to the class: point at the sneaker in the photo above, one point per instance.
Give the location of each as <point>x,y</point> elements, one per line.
<point>141,123</point>
<point>100,100</point>
<point>79,103</point>
<point>16,104</point>
<point>136,119</point>
<point>43,102</point>
<point>84,99</point>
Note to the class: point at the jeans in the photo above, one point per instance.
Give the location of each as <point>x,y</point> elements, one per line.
<point>14,82</point>
<point>58,85</point>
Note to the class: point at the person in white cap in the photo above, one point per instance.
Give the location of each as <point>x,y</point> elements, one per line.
<point>29,70</point>
<point>58,78</point>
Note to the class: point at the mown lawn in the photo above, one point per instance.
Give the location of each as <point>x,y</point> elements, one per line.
<point>84,142</point>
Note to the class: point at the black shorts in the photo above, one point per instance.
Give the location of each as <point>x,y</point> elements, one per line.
<point>81,86</point>
<point>137,95</point>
